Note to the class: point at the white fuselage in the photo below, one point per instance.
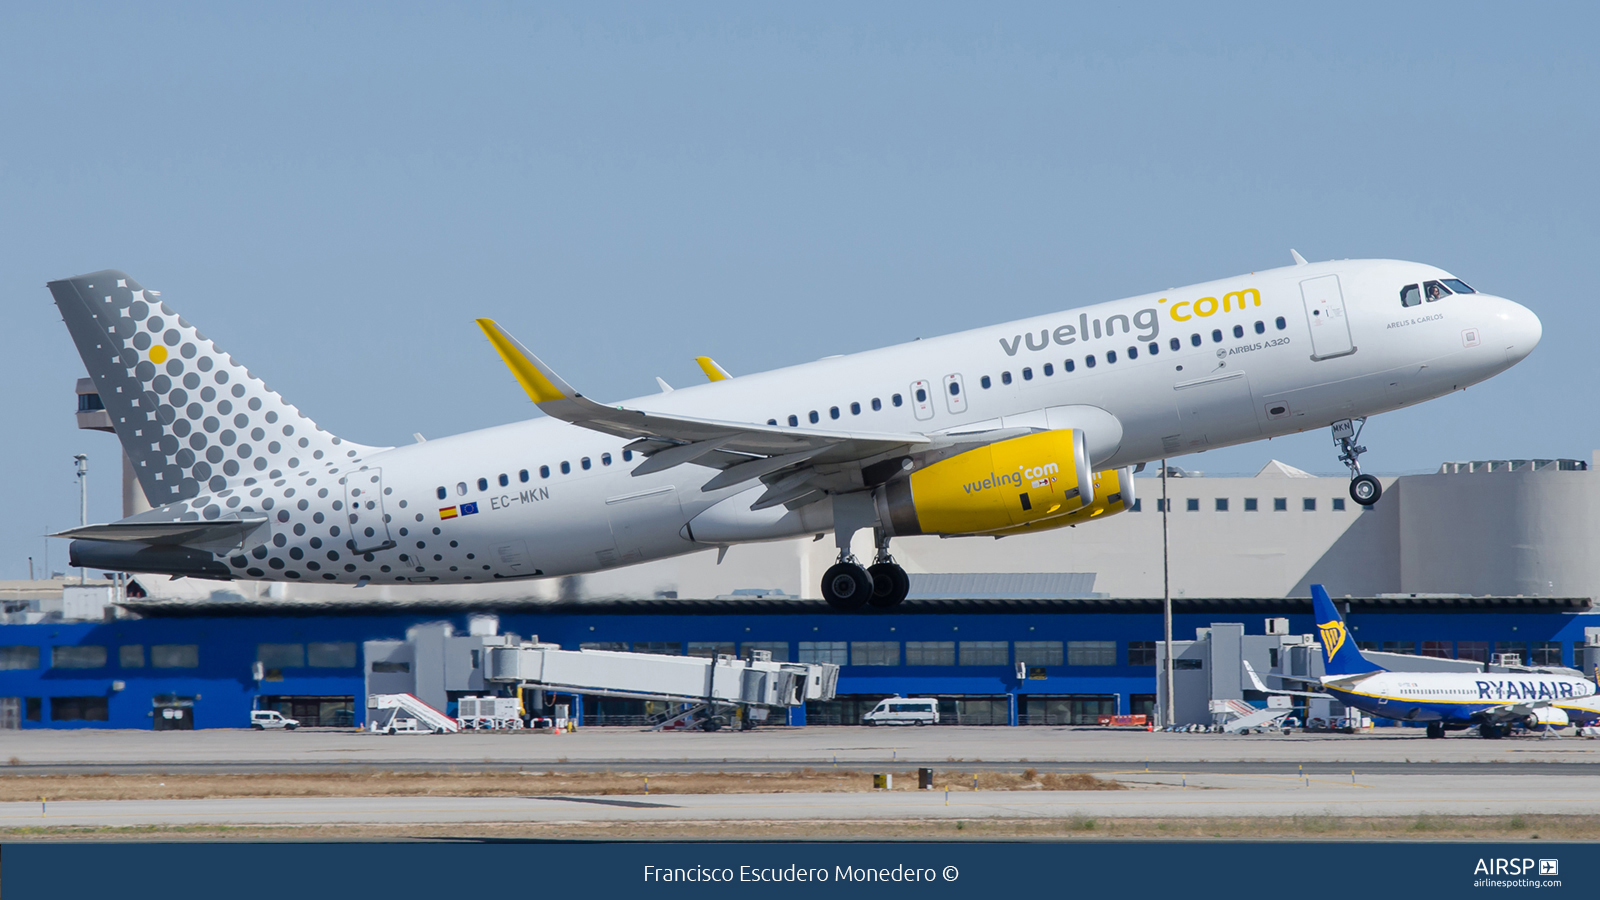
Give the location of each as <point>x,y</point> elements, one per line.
<point>1187,375</point>
<point>1457,697</point>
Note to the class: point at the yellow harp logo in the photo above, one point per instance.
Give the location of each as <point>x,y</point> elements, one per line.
<point>1333,635</point>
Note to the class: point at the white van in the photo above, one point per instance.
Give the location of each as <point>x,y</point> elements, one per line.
<point>262,719</point>
<point>904,711</point>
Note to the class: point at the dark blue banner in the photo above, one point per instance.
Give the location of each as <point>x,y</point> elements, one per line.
<point>247,871</point>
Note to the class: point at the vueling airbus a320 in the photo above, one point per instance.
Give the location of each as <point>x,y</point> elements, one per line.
<point>1012,429</point>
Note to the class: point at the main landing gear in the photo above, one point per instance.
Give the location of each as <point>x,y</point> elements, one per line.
<point>847,585</point>
<point>1364,489</point>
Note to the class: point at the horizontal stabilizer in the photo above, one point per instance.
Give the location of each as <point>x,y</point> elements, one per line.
<point>167,533</point>
<point>1257,685</point>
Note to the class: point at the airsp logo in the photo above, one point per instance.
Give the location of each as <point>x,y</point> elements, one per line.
<point>1502,866</point>
<point>1332,637</point>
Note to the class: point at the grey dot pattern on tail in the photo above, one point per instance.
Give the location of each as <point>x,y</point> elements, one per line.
<point>192,419</point>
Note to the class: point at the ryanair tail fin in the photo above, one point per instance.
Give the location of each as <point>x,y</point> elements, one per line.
<point>1339,653</point>
<point>190,417</point>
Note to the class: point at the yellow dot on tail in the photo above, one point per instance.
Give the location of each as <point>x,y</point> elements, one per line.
<point>158,354</point>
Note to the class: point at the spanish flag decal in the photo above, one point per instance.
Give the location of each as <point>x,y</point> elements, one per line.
<point>449,512</point>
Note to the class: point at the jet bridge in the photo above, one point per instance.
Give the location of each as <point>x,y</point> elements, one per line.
<point>650,676</point>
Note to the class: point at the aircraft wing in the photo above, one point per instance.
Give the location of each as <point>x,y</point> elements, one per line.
<point>743,450</point>
<point>1510,712</point>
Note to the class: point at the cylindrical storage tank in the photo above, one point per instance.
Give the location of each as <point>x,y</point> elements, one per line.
<point>1501,533</point>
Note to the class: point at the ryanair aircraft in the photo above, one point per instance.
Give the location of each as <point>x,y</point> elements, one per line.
<point>1011,429</point>
<point>1447,701</point>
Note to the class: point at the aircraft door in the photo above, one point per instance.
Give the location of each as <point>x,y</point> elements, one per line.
<point>1330,330</point>
<point>363,500</point>
<point>955,394</point>
<point>921,399</point>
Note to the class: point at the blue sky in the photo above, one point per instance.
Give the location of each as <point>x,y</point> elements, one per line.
<point>333,194</point>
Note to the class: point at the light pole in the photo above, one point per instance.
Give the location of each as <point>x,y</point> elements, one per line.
<point>82,459</point>
<point>1166,600</point>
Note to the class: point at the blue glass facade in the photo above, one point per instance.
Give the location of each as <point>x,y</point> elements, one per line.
<point>958,649</point>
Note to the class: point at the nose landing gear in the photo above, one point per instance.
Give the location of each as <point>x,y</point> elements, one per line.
<point>1364,489</point>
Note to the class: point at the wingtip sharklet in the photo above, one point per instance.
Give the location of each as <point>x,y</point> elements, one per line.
<point>540,382</point>
<point>713,371</point>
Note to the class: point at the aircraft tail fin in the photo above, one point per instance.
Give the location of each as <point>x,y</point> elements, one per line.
<point>1339,653</point>
<point>192,420</point>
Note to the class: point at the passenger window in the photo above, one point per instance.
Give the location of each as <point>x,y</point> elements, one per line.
<point>1133,352</point>
<point>461,489</point>
<point>566,467</point>
<point>1281,322</point>
<point>876,404</point>
<point>772,421</point>
<point>794,421</point>
<point>833,412</point>
<point>544,471</point>
<point>522,476</point>
<point>1261,327</point>
<point>896,400</point>
<point>1433,290</point>
<point>1111,356</point>
<point>1459,286</point>
<point>855,409</point>
<point>483,484</point>
<point>1216,335</point>
<point>813,417</point>
<point>955,388</point>
<point>585,463</point>
<point>1238,331</point>
<point>627,456</point>
<point>504,479</point>
<point>1027,373</point>
<point>1155,347</point>
<point>922,395</point>
<point>985,382</point>
<point>1069,365</point>
<point>605,459</point>
<point>1194,339</point>
<point>443,493</point>
<point>1005,377</point>
<point>1089,360</point>
<point>1049,370</point>
<point>1175,344</point>
<point>1410,295</point>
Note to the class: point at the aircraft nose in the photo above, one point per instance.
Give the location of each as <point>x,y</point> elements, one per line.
<point>1520,329</point>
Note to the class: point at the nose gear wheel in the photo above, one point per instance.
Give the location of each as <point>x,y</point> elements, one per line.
<point>1364,489</point>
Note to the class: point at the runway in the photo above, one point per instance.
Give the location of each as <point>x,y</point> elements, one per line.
<point>48,751</point>
<point>1152,796</point>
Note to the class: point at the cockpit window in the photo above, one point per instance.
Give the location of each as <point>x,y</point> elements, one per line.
<point>1433,290</point>
<point>1459,286</point>
<point>1410,296</point>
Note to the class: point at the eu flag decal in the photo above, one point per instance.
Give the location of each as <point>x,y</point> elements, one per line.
<point>449,512</point>
<point>469,509</point>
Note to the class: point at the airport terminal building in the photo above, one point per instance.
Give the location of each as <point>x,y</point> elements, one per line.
<point>1059,628</point>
